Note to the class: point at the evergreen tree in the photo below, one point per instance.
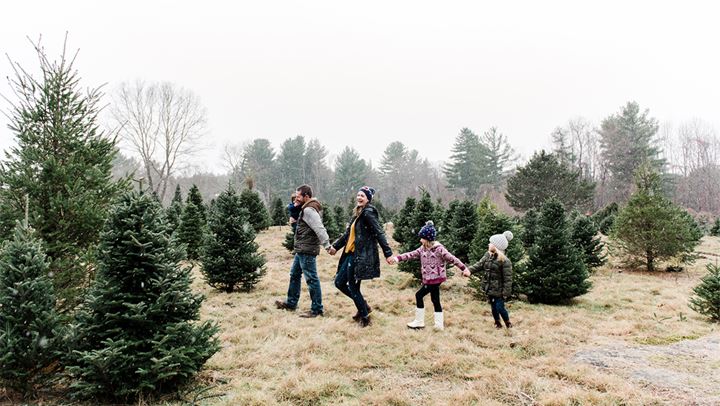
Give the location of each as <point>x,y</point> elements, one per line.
<point>351,172</point>
<point>28,321</point>
<point>137,334</point>
<point>605,218</point>
<point>191,230</point>
<point>468,165</point>
<point>403,222</point>
<point>195,197</point>
<point>555,271</point>
<point>584,236</point>
<point>530,224</point>
<point>544,177</point>
<point>173,212</point>
<point>447,218</point>
<point>279,212</point>
<point>715,230</point>
<point>499,155</point>
<point>340,218</point>
<point>259,216</point>
<point>62,162</point>
<point>424,211</point>
<point>706,300</point>
<point>439,216</point>
<point>230,258</point>
<point>461,230</point>
<point>289,242</point>
<point>651,228</point>
<point>331,225</point>
<point>626,142</point>
<point>258,162</point>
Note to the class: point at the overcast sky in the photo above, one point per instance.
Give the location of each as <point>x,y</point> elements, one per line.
<point>368,73</point>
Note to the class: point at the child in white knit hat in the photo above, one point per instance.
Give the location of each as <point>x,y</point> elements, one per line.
<point>497,280</point>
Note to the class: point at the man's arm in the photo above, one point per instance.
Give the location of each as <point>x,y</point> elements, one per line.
<point>312,218</point>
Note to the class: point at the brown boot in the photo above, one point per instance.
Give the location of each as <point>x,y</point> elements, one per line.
<point>497,324</point>
<point>356,317</point>
<point>508,324</point>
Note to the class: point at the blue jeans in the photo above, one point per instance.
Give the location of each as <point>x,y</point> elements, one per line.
<point>345,282</point>
<point>497,304</point>
<point>305,264</point>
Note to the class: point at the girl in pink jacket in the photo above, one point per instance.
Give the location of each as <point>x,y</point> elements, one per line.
<point>433,257</point>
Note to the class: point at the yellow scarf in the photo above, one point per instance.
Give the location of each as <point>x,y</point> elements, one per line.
<point>350,245</point>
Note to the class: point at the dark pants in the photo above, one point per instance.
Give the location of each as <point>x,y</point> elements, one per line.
<point>346,283</point>
<point>497,304</point>
<point>305,264</point>
<point>434,291</point>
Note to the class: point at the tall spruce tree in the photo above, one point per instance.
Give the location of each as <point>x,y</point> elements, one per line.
<point>627,140</point>
<point>651,228</point>
<point>279,213</point>
<point>137,334</point>
<point>543,177</point>
<point>62,161</point>
<point>585,237</point>
<point>530,224</point>
<point>230,258</point>
<point>556,272</point>
<point>259,216</point>
<point>29,325</point>
<point>462,228</point>
<point>424,211</point>
<point>706,300</point>
<point>403,222</point>
<point>468,167</point>
<point>340,218</point>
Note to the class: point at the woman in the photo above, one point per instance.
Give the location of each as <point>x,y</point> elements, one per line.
<point>360,259</point>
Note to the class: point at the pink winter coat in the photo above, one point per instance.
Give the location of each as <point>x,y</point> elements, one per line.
<point>432,262</point>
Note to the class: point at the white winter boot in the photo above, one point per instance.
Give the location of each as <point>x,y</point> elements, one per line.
<point>439,321</point>
<point>419,321</point>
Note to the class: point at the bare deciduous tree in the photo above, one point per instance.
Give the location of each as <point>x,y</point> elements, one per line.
<point>162,124</point>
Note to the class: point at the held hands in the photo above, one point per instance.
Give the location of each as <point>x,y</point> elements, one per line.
<point>391,260</point>
<point>466,272</point>
<point>331,250</point>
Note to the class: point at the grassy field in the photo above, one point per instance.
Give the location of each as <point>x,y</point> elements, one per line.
<point>271,356</point>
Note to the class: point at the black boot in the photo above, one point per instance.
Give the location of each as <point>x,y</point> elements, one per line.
<point>364,321</point>
<point>507,323</point>
<point>356,317</point>
<point>497,324</point>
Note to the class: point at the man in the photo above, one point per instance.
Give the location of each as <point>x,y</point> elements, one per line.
<point>309,235</point>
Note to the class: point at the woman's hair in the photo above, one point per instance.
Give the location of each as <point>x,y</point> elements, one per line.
<point>357,210</point>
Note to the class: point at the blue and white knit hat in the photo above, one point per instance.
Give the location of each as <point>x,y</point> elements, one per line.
<point>428,231</point>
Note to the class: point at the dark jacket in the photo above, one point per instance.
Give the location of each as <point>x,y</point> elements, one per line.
<point>497,276</point>
<point>368,234</point>
<point>306,240</point>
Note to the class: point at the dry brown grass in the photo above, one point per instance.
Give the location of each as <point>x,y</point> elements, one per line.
<point>271,356</point>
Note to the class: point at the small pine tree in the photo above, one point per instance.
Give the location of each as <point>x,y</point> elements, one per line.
<point>191,230</point>
<point>195,197</point>
<point>173,213</point>
<point>584,236</point>
<point>331,226</point>
<point>289,242</point>
<point>651,228</point>
<point>28,321</point>
<point>230,258</point>
<point>424,211</point>
<point>279,213</point>
<point>259,216</point>
<point>340,219</point>
<point>605,218</point>
<point>439,215</point>
<point>707,294</point>
<point>403,221</point>
<point>555,271</point>
<point>715,230</point>
<point>137,334</point>
<point>461,230</point>
<point>447,219</point>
